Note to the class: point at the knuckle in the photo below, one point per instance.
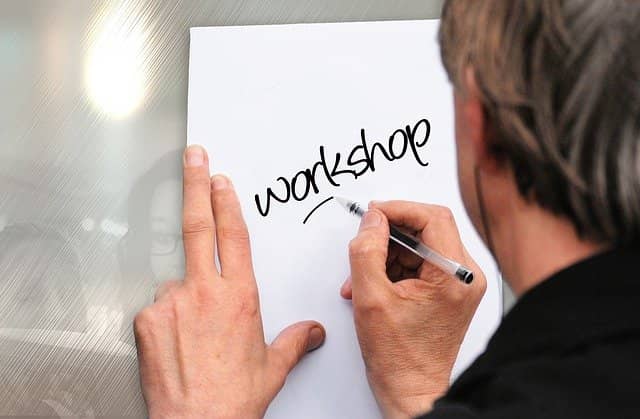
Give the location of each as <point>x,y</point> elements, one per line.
<point>196,179</point>
<point>165,308</point>
<point>466,295</point>
<point>167,288</point>
<point>249,309</point>
<point>369,303</point>
<point>458,296</point>
<point>195,224</point>
<point>238,234</point>
<point>143,321</point>
<point>174,308</point>
<point>365,247</point>
<point>205,293</point>
<point>173,295</point>
<point>249,305</point>
<point>167,312</point>
<point>480,287</point>
<point>250,293</point>
<point>354,248</point>
<point>222,196</point>
<point>443,213</point>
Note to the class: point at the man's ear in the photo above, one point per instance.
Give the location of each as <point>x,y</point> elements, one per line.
<point>478,127</point>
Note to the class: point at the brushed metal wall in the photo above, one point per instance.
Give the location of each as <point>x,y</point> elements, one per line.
<point>92,122</point>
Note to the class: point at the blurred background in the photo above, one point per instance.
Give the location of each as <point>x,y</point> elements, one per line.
<point>93,112</point>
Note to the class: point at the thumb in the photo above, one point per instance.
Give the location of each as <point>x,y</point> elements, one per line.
<point>368,253</point>
<point>294,342</point>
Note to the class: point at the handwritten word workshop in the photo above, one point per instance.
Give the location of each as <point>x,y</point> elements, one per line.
<point>360,160</point>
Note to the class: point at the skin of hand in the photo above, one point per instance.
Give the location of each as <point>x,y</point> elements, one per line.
<point>201,347</point>
<point>409,331</point>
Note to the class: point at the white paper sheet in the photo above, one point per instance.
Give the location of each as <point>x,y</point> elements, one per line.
<point>264,100</point>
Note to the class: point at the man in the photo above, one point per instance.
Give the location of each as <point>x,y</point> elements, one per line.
<point>547,104</point>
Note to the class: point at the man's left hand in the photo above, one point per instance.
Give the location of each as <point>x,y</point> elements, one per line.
<point>201,347</point>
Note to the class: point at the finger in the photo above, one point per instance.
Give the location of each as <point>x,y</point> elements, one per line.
<point>408,274</point>
<point>394,272</point>
<point>294,342</point>
<point>368,255</point>
<point>412,215</point>
<point>392,255</point>
<point>165,288</point>
<point>197,223</point>
<point>345,290</point>
<point>409,260</point>
<point>234,248</point>
<point>435,224</point>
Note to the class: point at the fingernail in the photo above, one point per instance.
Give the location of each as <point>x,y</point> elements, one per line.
<point>194,156</point>
<point>316,338</point>
<point>374,203</point>
<point>371,219</point>
<point>219,182</point>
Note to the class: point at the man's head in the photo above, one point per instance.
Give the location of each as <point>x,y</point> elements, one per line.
<point>547,97</point>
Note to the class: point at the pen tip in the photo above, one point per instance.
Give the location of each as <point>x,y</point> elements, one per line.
<point>343,201</point>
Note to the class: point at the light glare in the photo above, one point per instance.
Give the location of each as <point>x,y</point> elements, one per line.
<point>113,228</point>
<point>115,75</point>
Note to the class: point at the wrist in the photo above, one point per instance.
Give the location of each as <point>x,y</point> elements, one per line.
<point>409,397</point>
<point>409,406</point>
<point>201,411</point>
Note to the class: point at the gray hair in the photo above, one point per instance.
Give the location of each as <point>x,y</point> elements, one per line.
<point>560,83</point>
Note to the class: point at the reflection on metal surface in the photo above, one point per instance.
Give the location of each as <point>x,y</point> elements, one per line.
<point>67,340</point>
<point>51,330</point>
<point>113,228</point>
<point>88,224</point>
<point>152,247</point>
<point>116,67</point>
<point>92,124</point>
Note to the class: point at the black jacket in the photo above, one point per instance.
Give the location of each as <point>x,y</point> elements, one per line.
<point>570,348</point>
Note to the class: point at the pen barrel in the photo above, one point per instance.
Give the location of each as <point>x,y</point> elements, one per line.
<point>438,260</point>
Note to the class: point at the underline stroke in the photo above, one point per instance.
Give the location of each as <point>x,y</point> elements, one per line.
<point>314,210</point>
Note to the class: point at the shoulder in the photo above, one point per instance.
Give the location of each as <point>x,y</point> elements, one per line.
<point>594,381</point>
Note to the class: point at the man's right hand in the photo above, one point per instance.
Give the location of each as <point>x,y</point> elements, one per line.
<point>410,331</point>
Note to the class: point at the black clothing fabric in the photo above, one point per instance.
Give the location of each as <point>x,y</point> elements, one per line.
<point>570,348</point>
